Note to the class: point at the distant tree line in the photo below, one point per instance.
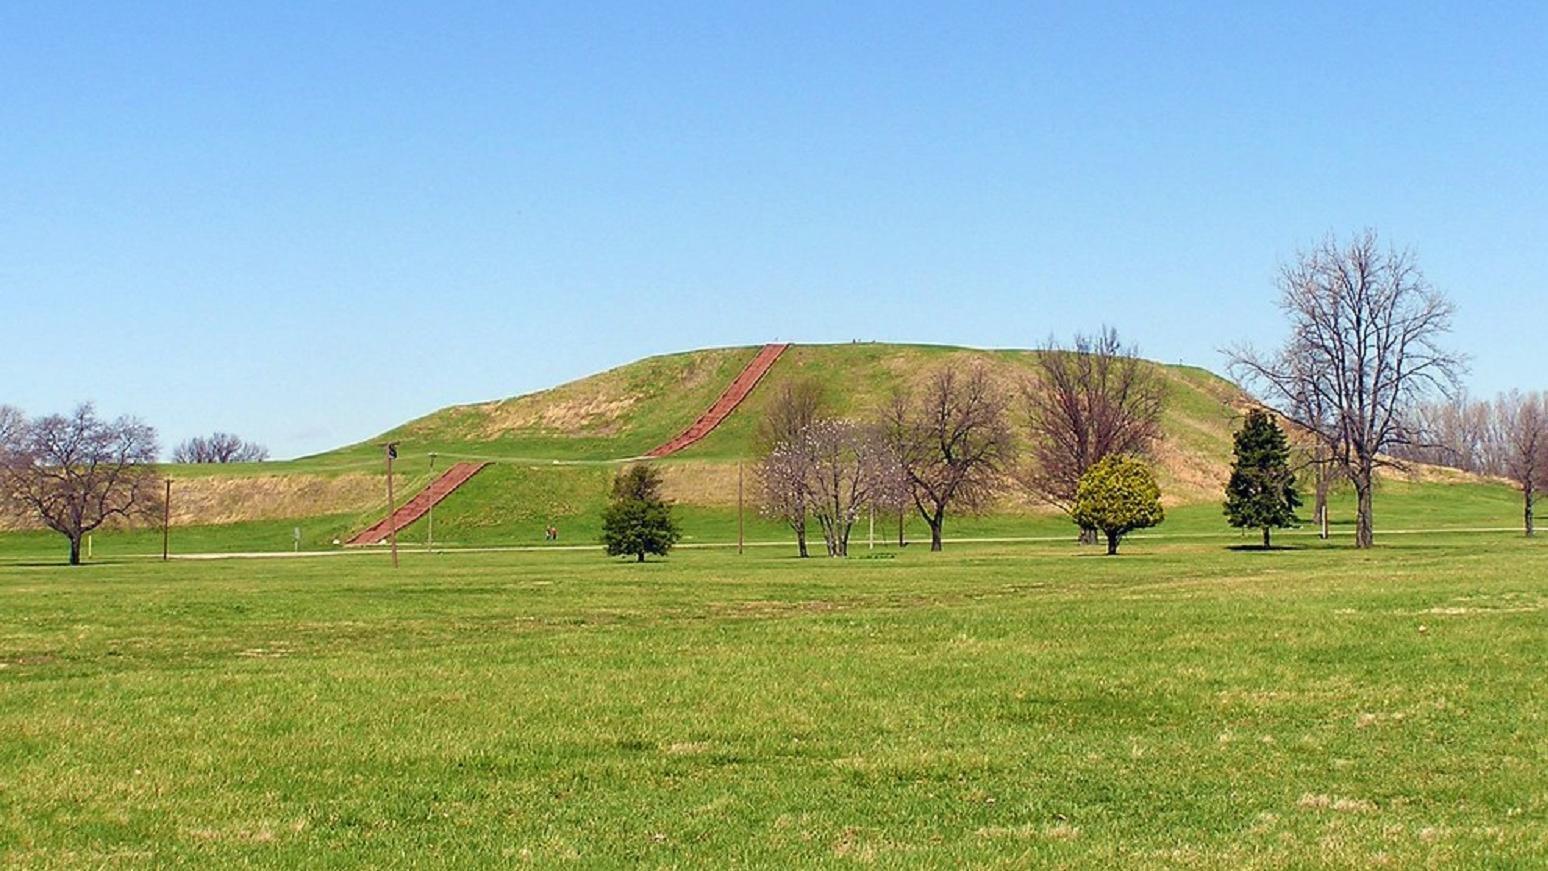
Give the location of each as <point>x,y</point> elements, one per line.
<point>1503,438</point>
<point>219,447</point>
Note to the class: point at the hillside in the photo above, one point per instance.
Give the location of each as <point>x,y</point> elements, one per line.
<point>624,412</point>
<point>552,447</point>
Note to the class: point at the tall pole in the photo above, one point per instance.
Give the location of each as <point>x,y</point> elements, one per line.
<point>166,521</point>
<point>430,530</point>
<point>739,532</point>
<point>392,527</point>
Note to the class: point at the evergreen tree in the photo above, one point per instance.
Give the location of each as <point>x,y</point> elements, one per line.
<point>1261,493</point>
<point>1117,496</point>
<point>638,520</point>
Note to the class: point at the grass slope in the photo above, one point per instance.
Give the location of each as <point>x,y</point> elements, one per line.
<point>986,707</point>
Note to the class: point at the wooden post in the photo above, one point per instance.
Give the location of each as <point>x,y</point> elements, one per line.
<point>430,529</point>
<point>740,540</point>
<point>166,522</point>
<point>392,528</point>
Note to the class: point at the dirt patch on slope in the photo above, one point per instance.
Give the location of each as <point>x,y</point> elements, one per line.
<point>212,500</point>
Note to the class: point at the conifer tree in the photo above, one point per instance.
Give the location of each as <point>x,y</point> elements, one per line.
<point>638,521</point>
<point>1261,493</point>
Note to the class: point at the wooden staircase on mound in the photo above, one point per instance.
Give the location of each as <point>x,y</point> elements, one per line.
<point>415,508</point>
<point>735,392</point>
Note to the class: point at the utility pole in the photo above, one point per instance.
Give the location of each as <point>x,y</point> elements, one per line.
<point>430,530</point>
<point>166,522</point>
<point>392,527</point>
<point>739,533</point>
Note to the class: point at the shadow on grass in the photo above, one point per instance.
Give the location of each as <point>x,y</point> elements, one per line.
<point>1258,548</point>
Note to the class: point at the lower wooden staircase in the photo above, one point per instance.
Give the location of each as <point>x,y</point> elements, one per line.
<point>415,508</point>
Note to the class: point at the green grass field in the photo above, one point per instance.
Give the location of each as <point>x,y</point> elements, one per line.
<point>994,705</point>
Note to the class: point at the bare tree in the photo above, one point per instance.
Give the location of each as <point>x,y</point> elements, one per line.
<point>849,469</point>
<point>1086,402</point>
<point>76,472</point>
<point>11,423</point>
<point>796,404</point>
<point>1365,344</point>
<point>952,443</point>
<point>1518,446</point>
<point>782,474</point>
<point>220,447</point>
<point>782,488</point>
<point>1453,432</point>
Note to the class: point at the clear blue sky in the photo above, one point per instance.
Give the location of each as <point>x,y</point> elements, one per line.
<point>307,224</point>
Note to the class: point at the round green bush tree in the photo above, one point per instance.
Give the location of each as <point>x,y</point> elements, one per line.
<point>1117,496</point>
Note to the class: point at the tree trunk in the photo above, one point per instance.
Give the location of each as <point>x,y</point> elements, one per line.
<point>1322,484</point>
<point>801,540</point>
<point>901,541</point>
<point>936,523</point>
<point>1112,544</point>
<point>639,557</point>
<point>1365,535</point>
<point>75,550</point>
<point>1088,535</point>
<point>1531,499</point>
<point>1265,538</point>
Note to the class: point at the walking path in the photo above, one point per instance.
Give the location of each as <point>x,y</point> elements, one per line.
<point>857,545</point>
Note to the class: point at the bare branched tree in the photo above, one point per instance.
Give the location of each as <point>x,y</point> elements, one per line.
<point>11,423</point>
<point>220,447</point>
<point>952,443</point>
<point>795,406</point>
<point>850,468</point>
<point>77,472</point>
<point>1454,432</point>
<point>782,477</point>
<point>782,474</point>
<point>1365,345</point>
<point>1086,402</point>
<point>1518,447</point>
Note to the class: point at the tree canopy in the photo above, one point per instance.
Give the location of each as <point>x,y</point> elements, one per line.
<point>638,521</point>
<point>1117,496</point>
<point>76,472</point>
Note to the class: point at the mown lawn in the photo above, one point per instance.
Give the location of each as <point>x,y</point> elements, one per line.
<point>1184,704</point>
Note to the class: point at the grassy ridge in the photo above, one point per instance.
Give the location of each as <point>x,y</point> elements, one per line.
<point>988,707</point>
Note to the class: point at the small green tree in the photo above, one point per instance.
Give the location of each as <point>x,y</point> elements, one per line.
<point>638,520</point>
<point>1261,493</point>
<point>1117,496</point>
